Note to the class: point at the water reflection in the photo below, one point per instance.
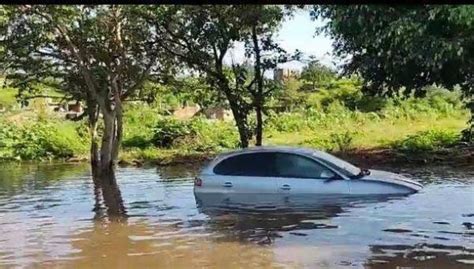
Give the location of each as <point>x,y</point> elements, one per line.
<point>56,216</point>
<point>108,198</point>
<point>262,218</point>
<point>144,245</point>
<point>420,256</point>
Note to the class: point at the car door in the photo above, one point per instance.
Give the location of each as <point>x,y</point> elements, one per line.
<point>247,173</point>
<point>299,174</point>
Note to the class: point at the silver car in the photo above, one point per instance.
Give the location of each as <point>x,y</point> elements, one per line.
<point>286,170</point>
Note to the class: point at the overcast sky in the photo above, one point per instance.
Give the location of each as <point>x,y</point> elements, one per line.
<point>298,33</point>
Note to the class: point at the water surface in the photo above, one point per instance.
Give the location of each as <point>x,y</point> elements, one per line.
<point>53,216</point>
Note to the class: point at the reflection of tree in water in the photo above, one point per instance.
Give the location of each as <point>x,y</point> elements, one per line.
<point>114,241</point>
<point>420,256</point>
<point>108,199</point>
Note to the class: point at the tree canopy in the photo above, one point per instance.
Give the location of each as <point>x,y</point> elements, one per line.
<point>405,46</point>
<point>100,54</point>
<point>317,74</point>
<point>200,37</point>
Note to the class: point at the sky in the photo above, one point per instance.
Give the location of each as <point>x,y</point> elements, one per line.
<point>297,33</point>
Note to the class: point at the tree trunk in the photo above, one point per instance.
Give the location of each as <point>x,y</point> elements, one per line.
<point>468,133</point>
<point>93,117</point>
<point>118,130</point>
<point>240,113</point>
<point>259,127</point>
<point>259,98</point>
<point>241,121</point>
<point>106,148</point>
<point>110,144</point>
<point>239,110</point>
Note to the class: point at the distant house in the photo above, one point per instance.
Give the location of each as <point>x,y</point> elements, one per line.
<point>186,112</point>
<point>218,113</point>
<point>214,113</point>
<point>283,74</point>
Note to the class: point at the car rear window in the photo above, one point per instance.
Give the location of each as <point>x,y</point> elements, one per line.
<point>251,164</point>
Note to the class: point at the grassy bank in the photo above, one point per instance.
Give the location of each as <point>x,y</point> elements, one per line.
<point>339,119</point>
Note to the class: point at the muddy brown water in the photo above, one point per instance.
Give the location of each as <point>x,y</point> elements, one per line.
<point>52,217</point>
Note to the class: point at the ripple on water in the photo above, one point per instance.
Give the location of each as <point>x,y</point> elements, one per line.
<point>51,221</point>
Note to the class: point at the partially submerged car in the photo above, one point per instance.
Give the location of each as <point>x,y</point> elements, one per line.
<point>290,170</point>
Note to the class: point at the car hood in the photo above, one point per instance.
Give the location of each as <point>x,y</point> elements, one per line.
<point>389,177</point>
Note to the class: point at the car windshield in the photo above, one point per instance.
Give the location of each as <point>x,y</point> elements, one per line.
<point>342,166</point>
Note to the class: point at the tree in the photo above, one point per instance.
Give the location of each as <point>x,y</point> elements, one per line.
<point>99,54</point>
<point>201,36</point>
<point>265,53</point>
<point>195,89</point>
<point>406,46</point>
<point>317,74</point>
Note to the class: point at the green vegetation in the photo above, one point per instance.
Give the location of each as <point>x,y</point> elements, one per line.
<point>40,140</point>
<point>129,64</point>
<point>8,98</point>
<point>336,118</point>
<point>400,46</point>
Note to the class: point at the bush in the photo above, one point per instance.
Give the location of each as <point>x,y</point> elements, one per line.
<point>167,130</point>
<point>427,141</point>
<point>39,140</point>
<point>342,141</point>
<point>318,143</point>
<point>287,122</point>
<point>139,124</point>
<point>197,134</point>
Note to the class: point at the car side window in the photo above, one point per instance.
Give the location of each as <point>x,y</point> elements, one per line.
<point>249,164</point>
<point>292,165</point>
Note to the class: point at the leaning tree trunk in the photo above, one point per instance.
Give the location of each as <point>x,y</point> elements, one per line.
<point>240,113</point>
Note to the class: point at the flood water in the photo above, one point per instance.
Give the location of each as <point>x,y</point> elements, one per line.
<point>52,216</point>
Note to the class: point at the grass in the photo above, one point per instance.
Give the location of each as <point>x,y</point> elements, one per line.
<point>370,134</point>
<point>339,119</point>
<point>7,97</point>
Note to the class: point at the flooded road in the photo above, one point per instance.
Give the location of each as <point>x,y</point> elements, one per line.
<point>53,216</point>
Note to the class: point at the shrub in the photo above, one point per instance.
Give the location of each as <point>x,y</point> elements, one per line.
<point>197,134</point>
<point>427,140</point>
<point>342,141</point>
<point>167,130</point>
<point>213,135</point>
<point>139,124</point>
<point>318,143</point>
<point>39,140</point>
<point>287,122</point>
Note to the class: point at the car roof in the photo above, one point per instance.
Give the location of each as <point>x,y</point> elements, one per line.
<point>258,149</point>
<point>289,149</point>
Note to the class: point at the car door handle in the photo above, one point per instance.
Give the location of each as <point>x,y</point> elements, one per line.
<point>227,184</point>
<point>285,187</point>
